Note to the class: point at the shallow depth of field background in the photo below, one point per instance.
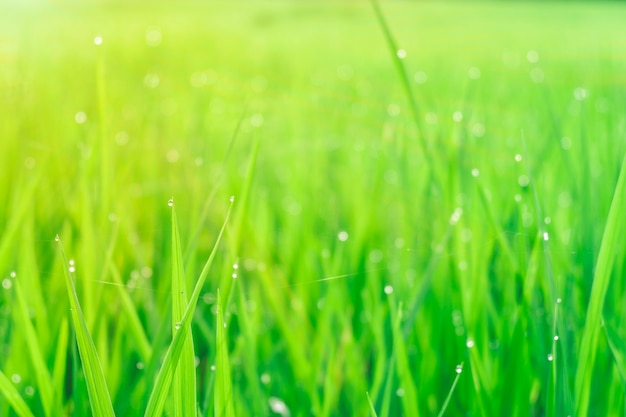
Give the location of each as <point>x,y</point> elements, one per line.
<point>377,251</point>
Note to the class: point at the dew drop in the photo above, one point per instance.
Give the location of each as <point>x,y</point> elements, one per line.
<point>388,289</point>
<point>475,172</point>
<point>343,236</point>
<point>550,357</point>
<point>213,368</point>
<point>457,116</point>
<point>278,406</point>
<point>97,40</point>
<point>234,275</point>
<point>469,343</point>
<point>178,325</point>
<point>556,337</point>
<point>400,392</point>
<point>523,180</point>
<point>7,284</point>
<point>16,378</point>
<point>12,274</point>
<point>29,391</point>
<point>265,378</point>
<point>546,236</point>
<point>140,365</point>
<point>170,202</point>
<point>57,238</point>
<point>518,158</point>
<point>232,198</point>
<point>459,369</point>
<point>401,53</point>
<point>558,300</point>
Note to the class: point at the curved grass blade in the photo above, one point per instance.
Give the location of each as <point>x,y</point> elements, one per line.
<point>223,394</point>
<point>185,403</point>
<point>601,279</point>
<point>97,389</point>
<point>42,375</point>
<point>172,356</point>
<point>15,400</point>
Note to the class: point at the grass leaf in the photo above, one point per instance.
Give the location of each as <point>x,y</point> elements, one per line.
<point>13,397</point>
<point>602,277</point>
<point>99,397</point>
<point>185,403</point>
<point>164,378</point>
<point>223,395</point>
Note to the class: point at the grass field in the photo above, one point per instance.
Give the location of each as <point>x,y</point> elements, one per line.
<point>428,212</point>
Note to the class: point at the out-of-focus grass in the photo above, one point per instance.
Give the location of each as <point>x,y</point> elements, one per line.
<point>359,267</point>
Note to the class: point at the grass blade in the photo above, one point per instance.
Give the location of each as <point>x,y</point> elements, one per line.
<point>42,375</point>
<point>223,397</point>
<point>164,377</point>
<point>449,397</point>
<point>99,397</point>
<point>185,403</point>
<point>372,409</point>
<point>602,277</point>
<point>15,400</point>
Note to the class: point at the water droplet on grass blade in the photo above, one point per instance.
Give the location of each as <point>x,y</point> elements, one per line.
<point>546,236</point>
<point>57,238</point>
<point>29,391</point>
<point>178,325</point>
<point>97,40</point>
<point>401,53</point>
<point>7,284</point>
<point>388,289</point>
<point>213,368</point>
<point>232,198</point>
<point>16,378</point>
<point>550,357</point>
<point>343,236</point>
<point>265,378</point>
<point>470,343</point>
<point>278,406</point>
<point>459,369</point>
<point>170,202</point>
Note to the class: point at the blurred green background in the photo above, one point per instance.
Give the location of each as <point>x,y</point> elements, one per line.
<point>377,248</point>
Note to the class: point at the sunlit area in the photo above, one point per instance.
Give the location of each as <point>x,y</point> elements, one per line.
<point>312,208</point>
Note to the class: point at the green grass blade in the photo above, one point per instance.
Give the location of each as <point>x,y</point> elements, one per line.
<point>404,76</point>
<point>185,403</point>
<point>42,375</point>
<point>99,397</point>
<point>403,369</point>
<point>13,397</point>
<point>449,396</point>
<point>372,409</point>
<point>602,276</point>
<point>172,356</point>
<point>223,396</point>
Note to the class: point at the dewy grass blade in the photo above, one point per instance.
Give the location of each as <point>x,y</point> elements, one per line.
<point>459,371</point>
<point>12,396</point>
<point>44,380</point>
<point>613,229</point>
<point>223,394</point>
<point>185,403</point>
<point>164,377</point>
<point>398,56</point>
<point>99,397</point>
